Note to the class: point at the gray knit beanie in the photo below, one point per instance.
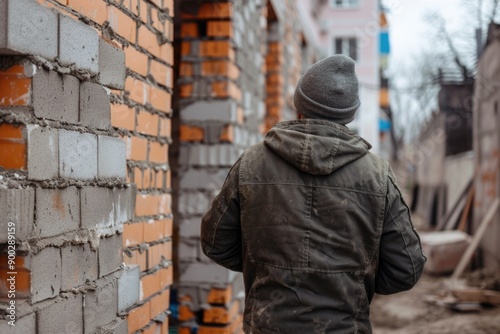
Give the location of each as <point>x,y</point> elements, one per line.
<point>329,90</point>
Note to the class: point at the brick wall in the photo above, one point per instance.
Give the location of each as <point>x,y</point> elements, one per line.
<point>85,93</point>
<point>233,83</point>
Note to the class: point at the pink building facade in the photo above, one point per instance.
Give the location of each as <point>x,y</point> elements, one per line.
<point>351,27</point>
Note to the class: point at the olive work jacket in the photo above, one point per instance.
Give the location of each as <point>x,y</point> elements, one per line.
<point>317,225</point>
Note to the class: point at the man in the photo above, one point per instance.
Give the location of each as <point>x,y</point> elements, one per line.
<point>315,222</point>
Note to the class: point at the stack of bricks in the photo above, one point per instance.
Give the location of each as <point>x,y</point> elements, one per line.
<point>85,89</point>
<point>283,62</point>
<point>221,98</point>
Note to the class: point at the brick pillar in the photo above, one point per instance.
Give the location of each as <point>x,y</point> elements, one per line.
<point>85,90</point>
<point>221,108</point>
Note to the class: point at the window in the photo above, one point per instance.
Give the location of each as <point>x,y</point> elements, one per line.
<point>344,3</point>
<point>347,47</point>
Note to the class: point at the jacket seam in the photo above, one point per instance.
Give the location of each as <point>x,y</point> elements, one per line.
<point>366,192</point>
<point>308,269</point>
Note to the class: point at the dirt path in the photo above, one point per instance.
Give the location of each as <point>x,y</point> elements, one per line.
<point>408,313</point>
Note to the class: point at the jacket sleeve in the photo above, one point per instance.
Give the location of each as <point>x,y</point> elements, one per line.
<point>401,260</point>
<point>220,227</point>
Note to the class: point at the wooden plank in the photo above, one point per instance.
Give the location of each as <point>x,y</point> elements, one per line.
<point>463,221</point>
<point>488,218</point>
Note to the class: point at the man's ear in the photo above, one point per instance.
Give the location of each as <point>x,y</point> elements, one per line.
<point>299,116</point>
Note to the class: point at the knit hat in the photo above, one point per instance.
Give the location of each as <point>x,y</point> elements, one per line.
<point>329,90</point>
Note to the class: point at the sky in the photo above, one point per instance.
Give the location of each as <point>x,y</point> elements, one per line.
<point>410,32</point>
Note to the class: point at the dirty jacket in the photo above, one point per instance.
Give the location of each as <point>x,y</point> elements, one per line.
<point>317,225</point>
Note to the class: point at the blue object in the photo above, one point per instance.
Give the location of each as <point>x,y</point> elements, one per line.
<point>385,46</point>
<point>384,125</point>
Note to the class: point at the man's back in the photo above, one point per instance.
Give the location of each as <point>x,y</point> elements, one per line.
<point>314,221</point>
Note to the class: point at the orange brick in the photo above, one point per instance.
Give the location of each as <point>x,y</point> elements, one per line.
<point>146,205</point>
<point>23,276</point>
<point>138,149</point>
<point>12,147</point>
<point>190,133</point>
<point>134,7</point>
<point>136,61</point>
<point>122,116</point>
<point>160,303</point>
<point>165,201</point>
<point>226,89</point>
<point>148,40</point>
<point>147,123</point>
<point>165,127</point>
<point>138,90</point>
<point>186,90</point>
<point>167,53</point>
<point>161,73</point>
<point>96,10</point>
<point>166,276</point>
<point>143,10</point>
<point>219,29</point>
<point>122,24</point>
<point>169,6</point>
<point>185,314</point>
<point>220,68</point>
<point>227,134</point>
<point>15,87</point>
<point>159,179</point>
<point>138,317</point>
<point>186,69</point>
<point>164,325</point>
<point>185,48</point>
<point>220,296</point>
<point>137,257</point>
<point>146,178</point>
<point>215,10</point>
<point>160,99</point>
<point>150,284</point>
<point>155,230</point>
<point>158,153</point>
<point>221,314</point>
<point>215,49</point>
<point>168,179</point>
<point>189,29</point>
<point>138,177</point>
<point>155,254</point>
<point>132,234</point>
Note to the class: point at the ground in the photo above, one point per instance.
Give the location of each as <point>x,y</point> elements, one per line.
<point>408,313</point>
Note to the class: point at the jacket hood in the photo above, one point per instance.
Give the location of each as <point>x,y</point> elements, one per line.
<point>316,147</point>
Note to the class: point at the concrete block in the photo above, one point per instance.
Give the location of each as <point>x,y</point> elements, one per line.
<point>65,315</point>
<point>57,211</point>
<point>17,206</point>
<point>443,249</point>
<point>95,107</point>
<point>225,111</point>
<point>110,254</point>
<point>100,306</point>
<point>43,152</point>
<point>77,155</point>
<point>78,45</point>
<point>193,203</point>
<point>129,287</point>
<point>207,273</point>
<point>200,179</point>
<point>124,204</point>
<point>24,325</point>
<point>189,228</point>
<point>222,155</point>
<point>56,96</point>
<point>117,326</point>
<point>45,274</point>
<point>111,158</point>
<point>79,264</point>
<point>97,207</point>
<point>27,28</point>
<point>188,250</point>
<point>111,66</point>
